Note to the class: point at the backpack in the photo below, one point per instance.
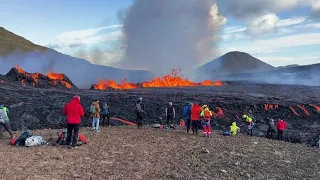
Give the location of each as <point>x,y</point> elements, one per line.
<point>92,109</point>
<point>20,141</point>
<point>2,114</point>
<point>34,141</point>
<point>62,138</point>
<point>207,114</point>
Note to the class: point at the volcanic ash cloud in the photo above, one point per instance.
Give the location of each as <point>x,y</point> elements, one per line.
<point>165,34</point>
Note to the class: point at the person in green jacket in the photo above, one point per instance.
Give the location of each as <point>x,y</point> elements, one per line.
<point>4,121</point>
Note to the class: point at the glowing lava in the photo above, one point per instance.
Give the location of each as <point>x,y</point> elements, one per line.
<point>34,75</point>
<point>104,84</point>
<point>56,77</point>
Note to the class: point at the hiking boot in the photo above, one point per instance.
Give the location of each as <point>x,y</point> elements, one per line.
<point>73,145</point>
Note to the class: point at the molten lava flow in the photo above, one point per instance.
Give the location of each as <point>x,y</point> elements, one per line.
<point>294,111</point>
<point>315,106</point>
<point>58,77</point>
<point>22,82</point>
<point>34,76</point>
<point>304,109</point>
<point>104,84</point>
<point>270,106</point>
<point>174,80</point>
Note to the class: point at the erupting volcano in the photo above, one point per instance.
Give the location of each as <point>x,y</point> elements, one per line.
<point>52,79</point>
<point>170,80</point>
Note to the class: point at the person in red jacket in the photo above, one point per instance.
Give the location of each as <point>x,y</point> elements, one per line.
<point>281,126</point>
<point>74,112</point>
<point>195,116</point>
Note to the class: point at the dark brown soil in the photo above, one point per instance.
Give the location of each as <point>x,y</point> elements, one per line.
<point>128,153</point>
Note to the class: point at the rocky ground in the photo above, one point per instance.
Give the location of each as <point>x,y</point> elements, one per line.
<point>128,153</point>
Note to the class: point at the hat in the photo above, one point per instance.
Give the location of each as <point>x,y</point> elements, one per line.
<point>76,97</point>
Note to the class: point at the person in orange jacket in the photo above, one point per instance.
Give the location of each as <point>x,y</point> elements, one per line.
<point>206,114</point>
<point>195,116</point>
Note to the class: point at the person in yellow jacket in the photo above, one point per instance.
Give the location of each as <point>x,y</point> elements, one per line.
<point>234,129</point>
<point>206,114</point>
<point>250,123</point>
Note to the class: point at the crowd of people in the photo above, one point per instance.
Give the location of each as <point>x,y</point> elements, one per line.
<point>194,116</point>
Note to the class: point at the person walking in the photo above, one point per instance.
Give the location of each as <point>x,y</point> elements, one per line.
<point>106,114</point>
<point>170,114</point>
<point>281,126</point>
<point>195,116</point>
<point>187,116</point>
<point>74,111</point>
<point>95,114</point>
<point>271,128</point>
<point>4,121</point>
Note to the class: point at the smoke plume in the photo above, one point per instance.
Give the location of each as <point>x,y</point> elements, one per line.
<point>165,34</point>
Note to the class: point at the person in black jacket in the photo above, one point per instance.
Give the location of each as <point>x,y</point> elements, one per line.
<point>139,110</point>
<point>170,114</point>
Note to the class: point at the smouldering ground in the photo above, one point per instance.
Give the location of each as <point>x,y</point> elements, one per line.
<point>128,153</point>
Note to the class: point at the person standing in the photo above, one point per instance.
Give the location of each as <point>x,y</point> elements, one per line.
<point>271,128</point>
<point>195,116</point>
<point>95,114</point>
<point>187,116</point>
<point>106,114</point>
<point>139,110</point>
<point>4,121</point>
<point>281,126</point>
<point>206,114</point>
<point>170,114</point>
<point>74,111</point>
<point>250,124</point>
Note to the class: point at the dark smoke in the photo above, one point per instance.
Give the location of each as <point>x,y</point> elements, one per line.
<point>165,34</point>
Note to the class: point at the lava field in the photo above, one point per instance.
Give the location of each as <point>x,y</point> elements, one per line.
<point>40,103</point>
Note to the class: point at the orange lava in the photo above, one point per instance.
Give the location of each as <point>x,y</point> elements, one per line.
<point>304,109</point>
<point>294,111</point>
<point>270,106</point>
<point>174,80</point>
<point>56,77</point>
<point>315,106</point>
<point>104,84</point>
<point>22,82</point>
<point>34,75</point>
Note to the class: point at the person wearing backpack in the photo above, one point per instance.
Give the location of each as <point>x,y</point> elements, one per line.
<point>105,114</point>
<point>187,116</point>
<point>170,114</point>
<point>95,114</point>
<point>4,121</point>
<point>206,114</point>
<point>74,112</point>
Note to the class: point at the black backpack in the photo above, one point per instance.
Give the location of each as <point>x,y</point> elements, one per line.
<point>20,141</point>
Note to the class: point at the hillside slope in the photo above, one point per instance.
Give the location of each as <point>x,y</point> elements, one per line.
<point>128,153</point>
<point>34,58</point>
<point>233,63</point>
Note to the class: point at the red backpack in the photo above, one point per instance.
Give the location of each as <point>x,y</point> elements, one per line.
<point>207,114</point>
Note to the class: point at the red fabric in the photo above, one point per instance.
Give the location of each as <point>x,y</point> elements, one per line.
<point>206,129</point>
<point>74,111</point>
<point>195,112</point>
<point>281,125</point>
<point>82,138</point>
<point>207,115</point>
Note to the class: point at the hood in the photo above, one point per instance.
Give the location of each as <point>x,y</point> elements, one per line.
<point>234,124</point>
<point>196,105</point>
<point>206,109</point>
<point>76,99</point>
<point>1,106</point>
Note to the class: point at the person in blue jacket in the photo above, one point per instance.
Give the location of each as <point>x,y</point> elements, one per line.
<point>187,115</point>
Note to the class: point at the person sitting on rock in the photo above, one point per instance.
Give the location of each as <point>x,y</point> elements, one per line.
<point>74,112</point>
<point>271,128</point>
<point>206,114</point>
<point>95,114</point>
<point>250,124</point>
<point>234,129</point>
<point>281,126</point>
<point>4,121</point>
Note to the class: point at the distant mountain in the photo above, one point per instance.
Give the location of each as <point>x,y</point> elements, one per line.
<point>15,50</point>
<point>288,66</point>
<point>233,63</point>
<point>299,75</point>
